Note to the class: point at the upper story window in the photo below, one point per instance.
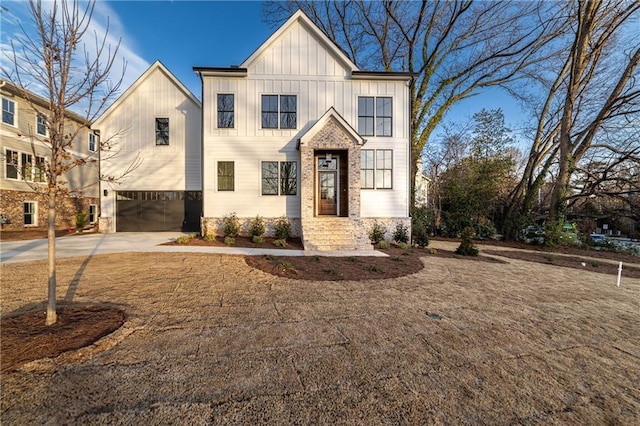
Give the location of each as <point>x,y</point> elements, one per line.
<point>41,124</point>
<point>27,167</point>
<point>225,111</point>
<point>162,131</point>
<point>279,111</point>
<point>375,116</point>
<point>11,164</point>
<point>92,141</point>
<point>8,112</point>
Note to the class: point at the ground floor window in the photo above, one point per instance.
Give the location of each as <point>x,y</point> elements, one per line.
<point>226,176</point>
<point>279,178</point>
<point>30,213</point>
<point>376,169</point>
<point>93,213</point>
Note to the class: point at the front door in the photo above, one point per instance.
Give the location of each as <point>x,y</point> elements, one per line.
<point>327,193</point>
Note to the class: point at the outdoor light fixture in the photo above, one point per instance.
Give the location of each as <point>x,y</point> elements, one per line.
<point>105,192</point>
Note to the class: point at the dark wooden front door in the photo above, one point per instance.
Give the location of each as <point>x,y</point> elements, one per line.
<point>327,193</point>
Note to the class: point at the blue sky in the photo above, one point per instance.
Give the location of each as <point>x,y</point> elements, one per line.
<point>183,34</point>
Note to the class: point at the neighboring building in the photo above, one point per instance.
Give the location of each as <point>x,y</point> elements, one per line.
<point>25,148</point>
<point>298,130</point>
<point>154,129</point>
<point>422,186</point>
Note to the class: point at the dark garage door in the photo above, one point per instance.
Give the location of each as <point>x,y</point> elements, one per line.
<point>154,211</point>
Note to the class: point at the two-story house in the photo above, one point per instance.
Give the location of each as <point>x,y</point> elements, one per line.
<point>299,130</point>
<point>296,130</point>
<point>25,150</point>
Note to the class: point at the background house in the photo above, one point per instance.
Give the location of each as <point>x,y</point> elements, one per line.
<point>154,133</point>
<point>25,149</point>
<point>298,130</point>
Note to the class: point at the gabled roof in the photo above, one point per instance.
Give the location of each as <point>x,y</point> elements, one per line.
<point>322,121</point>
<point>300,17</point>
<point>157,65</point>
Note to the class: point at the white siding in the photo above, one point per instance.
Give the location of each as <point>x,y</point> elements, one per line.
<point>297,63</point>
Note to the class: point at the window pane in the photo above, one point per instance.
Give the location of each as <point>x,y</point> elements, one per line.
<point>384,168</point>
<point>269,111</point>
<point>366,168</point>
<point>288,178</point>
<point>162,131</point>
<point>8,111</point>
<point>225,176</point>
<point>383,127</point>
<point>269,178</point>
<point>92,142</point>
<point>39,172</point>
<point>11,159</point>
<point>29,210</point>
<point>365,116</point>
<point>225,111</point>
<point>41,125</point>
<point>288,110</point>
<point>383,107</point>
<point>26,167</point>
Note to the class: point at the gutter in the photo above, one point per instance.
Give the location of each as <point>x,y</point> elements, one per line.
<point>201,144</point>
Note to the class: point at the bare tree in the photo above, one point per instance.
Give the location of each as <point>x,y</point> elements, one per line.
<point>591,94</point>
<point>53,57</point>
<point>454,48</point>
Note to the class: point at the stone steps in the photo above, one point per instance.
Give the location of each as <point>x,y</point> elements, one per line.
<point>333,233</point>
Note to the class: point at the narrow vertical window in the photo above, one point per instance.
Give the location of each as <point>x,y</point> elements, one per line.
<point>365,116</point>
<point>39,170</point>
<point>225,176</point>
<point>288,178</point>
<point>225,111</point>
<point>288,112</point>
<point>92,141</point>
<point>27,165</point>
<point>29,213</point>
<point>11,164</point>
<point>383,116</point>
<point>41,124</point>
<point>269,111</point>
<point>384,168</point>
<point>8,112</point>
<point>367,169</point>
<point>269,178</point>
<point>93,213</point>
<point>162,131</point>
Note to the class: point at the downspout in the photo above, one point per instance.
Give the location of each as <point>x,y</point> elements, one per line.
<point>201,147</point>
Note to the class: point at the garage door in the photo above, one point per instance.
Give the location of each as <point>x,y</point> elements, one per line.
<point>156,211</point>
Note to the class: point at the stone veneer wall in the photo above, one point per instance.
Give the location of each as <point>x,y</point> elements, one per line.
<point>67,207</point>
<point>215,226</point>
<point>389,223</point>
<point>330,137</point>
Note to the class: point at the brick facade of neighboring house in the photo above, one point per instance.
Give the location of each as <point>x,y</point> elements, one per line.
<point>24,147</point>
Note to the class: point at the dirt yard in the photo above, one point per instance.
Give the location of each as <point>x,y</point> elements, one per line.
<point>208,339</point>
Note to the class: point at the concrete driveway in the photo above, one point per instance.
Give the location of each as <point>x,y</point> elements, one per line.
<point>132,242</point>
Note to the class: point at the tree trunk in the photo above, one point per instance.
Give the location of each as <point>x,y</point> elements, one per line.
<point>51,238</point>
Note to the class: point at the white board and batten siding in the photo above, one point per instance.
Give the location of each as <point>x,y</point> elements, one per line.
<point>300,63</point>
<point>129,124</point>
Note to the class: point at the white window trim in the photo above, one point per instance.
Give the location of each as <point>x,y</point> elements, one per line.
<point>95,215</point>
<point>234,176</point>
<point>95,141</point>
<point>35,214</point>
<point>155,130</point>
<point>235,111</point>
<point>279,112</point>
<point>17,166</point>
<point>15,112</point>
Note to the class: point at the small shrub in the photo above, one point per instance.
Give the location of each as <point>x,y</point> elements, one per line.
<point>280,243</point>
<point>377,233</point>
<point>80,220</point>
<point>466,247</point>
<point>431,250</point>
<point>485,231</point>
<point>315,258</point>
<point>421,224</point>
<point>284,266</point>
<point>229,241</point>
<point>258,239</point>
<point>231,226</point>
<point>398,259</point>
<point>401,234</point>
<point>353,259</point>
<point>282,228</point>
<point>257,228</point>
<point>376,269</point>
<point>184,239</point>
<point>403,246</point>
<point>383,245</point>
<point>269,257</point>
<point>210,238</point>
<point>331,271</point>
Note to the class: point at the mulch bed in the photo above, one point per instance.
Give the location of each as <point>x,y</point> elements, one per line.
<point>400,262</point>
<point>292,243</point>
<point>575,262</point>
<point>25,337</point>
